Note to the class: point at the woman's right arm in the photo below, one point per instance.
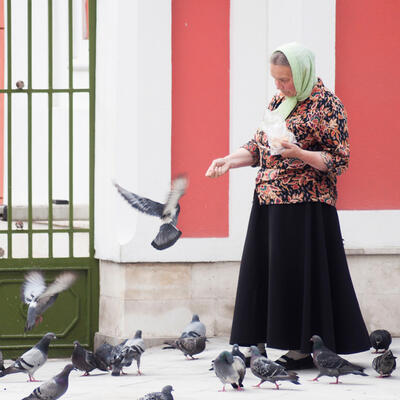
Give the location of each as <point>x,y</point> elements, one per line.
<point>240,158</point>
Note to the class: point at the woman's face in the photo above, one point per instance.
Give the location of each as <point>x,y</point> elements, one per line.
<point>283,78</point>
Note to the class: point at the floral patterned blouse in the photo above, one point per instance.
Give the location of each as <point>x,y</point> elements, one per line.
<point>319,123</point>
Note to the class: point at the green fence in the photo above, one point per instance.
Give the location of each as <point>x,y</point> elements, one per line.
<point>44,234</point>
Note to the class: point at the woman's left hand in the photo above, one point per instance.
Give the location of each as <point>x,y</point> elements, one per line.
<point>291,150</point>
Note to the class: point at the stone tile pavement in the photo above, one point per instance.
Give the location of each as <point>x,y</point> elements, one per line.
<point>193,380</point>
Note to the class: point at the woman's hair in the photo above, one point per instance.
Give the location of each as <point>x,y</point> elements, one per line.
<point>278,58</point>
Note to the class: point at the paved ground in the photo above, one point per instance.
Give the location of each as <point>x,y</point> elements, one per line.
<point>193,380</point>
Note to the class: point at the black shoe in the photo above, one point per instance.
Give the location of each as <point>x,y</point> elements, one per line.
<point>290,364</point>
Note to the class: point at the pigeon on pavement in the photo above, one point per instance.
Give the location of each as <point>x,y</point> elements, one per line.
<point>54,388</point>
<point>167,212</point>
<point>39,297</point>
<point>380,340</point>
<point>236,352</point>
<point>32,359</point>
<point>384,364</point>
<point>195,328</point>
<point>330,364</point>
<point>85,360</point>
<point>129,350</point>
<point>189,346</point>
<point>165,394</point>
<point>230,369</point>
<point>268,370</point>
<point>105,354</point>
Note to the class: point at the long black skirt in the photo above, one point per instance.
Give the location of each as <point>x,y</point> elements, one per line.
<point>294,282</point>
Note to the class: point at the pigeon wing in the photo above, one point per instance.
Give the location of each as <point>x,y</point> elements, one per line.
<point>33,286</point>
<point>62,282</point>
<point>330,360</point>
<point>142,204</point>
<point>179,186</point>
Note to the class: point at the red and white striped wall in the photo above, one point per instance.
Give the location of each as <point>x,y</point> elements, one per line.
<point>180,83</point>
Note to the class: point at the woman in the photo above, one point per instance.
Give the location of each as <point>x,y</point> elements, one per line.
<point>294,280</point>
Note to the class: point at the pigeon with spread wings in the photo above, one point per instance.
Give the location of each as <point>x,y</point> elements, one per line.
<point>40,297</point>
<point>167,212</point>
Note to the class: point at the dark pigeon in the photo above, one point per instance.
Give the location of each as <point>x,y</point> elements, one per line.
<point>167,212</point>
<point>268,370</point>
<point>195,328</point>
<point>230,369</point>
<point>236,352</point>
<point>189,346</point>
<point>330,364</point>
<point>40,297</point>
<point>32,359</point>
<point>380,340</point>
<point>105,354</point>
<point>126,352</point>
<point>54,388</point>
<point>85,360</point>
<point>1,361</point>
<point>165,394</point>
<point>385,364</point>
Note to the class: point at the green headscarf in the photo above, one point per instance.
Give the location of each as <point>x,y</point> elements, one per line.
<point>302,64</point>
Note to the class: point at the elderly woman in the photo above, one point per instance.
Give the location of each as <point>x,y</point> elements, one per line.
<point>294,280</point>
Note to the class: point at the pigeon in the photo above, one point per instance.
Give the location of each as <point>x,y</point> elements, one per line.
<point>168,212</point>
<point>19,225</point>
<point>384,364</point>
<point>39,297</point>
<point>189,346</point>
<point>105,354</point>
<point>85,360</point>
<point>32,359</point>
<point>268,370</point>
<point>1,361</point>
<point>54,388</point>
<point>236,352</point>
<point>165,394</point>
<point>129,350</point>
<point>330,364</point>
<point>195,328</point>
<point>230,369</point>
<point>380,339</point>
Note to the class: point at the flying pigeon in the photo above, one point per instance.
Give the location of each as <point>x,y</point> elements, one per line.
<point>1,361</point>
<point>165,394</point>
<point>380,340</point>
<point>384,364</point>
<point>330,364</point>
<point>268,370</point>
<point>189,346</point>
<point>54,388</point>
<point>39,297</point>
<point>126,352</point>
<point>105,354</point>
<point>230,369</point>
<point>195,328</point>
<point>85,360</point>
<point>32,359</point>
<point>168,212</point>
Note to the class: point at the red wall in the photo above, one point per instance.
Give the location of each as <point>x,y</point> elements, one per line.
<point>367,81</point>
<point>200,111</point>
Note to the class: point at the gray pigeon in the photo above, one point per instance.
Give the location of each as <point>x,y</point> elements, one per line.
<point>1,361</point>
<point>236,352</point>
<point>32,359</point>
<point>127,351</point>
<point>330,364</point>
<point>105,354</point>
<point>85,360</point>
<point>39,297</point>
<point>230,369</point>
<point>189,346</point>
<point>268,370</point>
<point>165,394</point>
<point>195,328</point>
<point>54,388</point>
<point>168,212</point>
<point>384,364</point>
<point>380,340</point>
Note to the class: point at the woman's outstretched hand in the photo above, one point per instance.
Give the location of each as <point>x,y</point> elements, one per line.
<point>218,167</point>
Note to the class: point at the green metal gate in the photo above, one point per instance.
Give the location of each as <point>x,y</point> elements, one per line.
<point>39,234</point>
